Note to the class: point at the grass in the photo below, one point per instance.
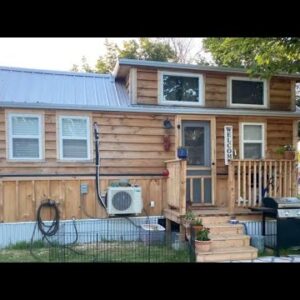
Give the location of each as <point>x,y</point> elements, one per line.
<point>23,245</point>
<point>103,252</point>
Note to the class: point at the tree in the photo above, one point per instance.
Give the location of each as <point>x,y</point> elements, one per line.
<point>145,49</point>
<point>261,56</point>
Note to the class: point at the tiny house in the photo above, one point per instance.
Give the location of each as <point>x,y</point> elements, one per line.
<point>231,126</point>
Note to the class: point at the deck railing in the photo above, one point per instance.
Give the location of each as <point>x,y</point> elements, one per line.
<point>250,180</point>
<point>176,185</point>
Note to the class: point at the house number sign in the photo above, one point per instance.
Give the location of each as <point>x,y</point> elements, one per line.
<point>228,144</point>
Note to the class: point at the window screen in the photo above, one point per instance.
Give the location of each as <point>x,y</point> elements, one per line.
<point>180,88</point>
<point>25,135</point>
<point>247,92</point>
<point>74,138</point>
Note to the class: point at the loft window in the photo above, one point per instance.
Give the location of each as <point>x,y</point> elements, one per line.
<point>252,141</point>
<point>25,137</point>
<point>247,92</point>
<point>181,88</point>
<point>74,138</point>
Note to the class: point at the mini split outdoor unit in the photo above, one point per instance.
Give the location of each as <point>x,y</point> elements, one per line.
<point>124,200</point>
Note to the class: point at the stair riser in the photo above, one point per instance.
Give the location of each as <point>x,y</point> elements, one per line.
<point>214,220</point>
<point>243,242</point>
<point>226,256</point>
<point>226,230</point>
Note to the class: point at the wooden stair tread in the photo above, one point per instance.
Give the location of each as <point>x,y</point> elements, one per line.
<point>218,237</point>
<point>229,250</point>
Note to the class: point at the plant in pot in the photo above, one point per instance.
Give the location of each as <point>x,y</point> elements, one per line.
<point>197,224</point>
<point>202,241</point>
<point>288,151</point>
<point>189,218</point>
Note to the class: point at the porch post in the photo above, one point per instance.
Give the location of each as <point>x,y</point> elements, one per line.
<point>231,187</point>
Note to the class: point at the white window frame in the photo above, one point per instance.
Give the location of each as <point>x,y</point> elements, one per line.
<point>88,138</point>
<point>265,92</point>
<point>40,137</point>
<point>200,101</point>
<point>242,141</point>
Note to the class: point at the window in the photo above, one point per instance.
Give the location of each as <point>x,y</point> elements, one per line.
<point>252,141</point>
<point>247,92</point>
<point>74,138</point>
<point>25,137</point>
<point>181,88</point>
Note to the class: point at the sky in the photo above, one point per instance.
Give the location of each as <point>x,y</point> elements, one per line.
<point>52,53</point>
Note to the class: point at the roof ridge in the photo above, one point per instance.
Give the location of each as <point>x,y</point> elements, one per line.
<point>54,72</point>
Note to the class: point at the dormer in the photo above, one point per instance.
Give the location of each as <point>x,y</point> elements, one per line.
<point>172,84</point>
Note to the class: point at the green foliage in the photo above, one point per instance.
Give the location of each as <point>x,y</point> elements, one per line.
<point>145,49</point>
<point>197,222</point>
<point>190,216</point>
<point>262,57</point>
<point>202,235</point>
<point>282,149</point>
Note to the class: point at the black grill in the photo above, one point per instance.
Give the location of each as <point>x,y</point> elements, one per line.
<point>286,212</point>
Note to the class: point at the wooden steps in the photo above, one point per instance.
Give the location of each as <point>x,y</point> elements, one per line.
<point>228,242</point>
<point>226,229</point>
<point>227,254</point>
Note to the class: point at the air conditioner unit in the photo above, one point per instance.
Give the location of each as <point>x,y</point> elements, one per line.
<point>124,200</point>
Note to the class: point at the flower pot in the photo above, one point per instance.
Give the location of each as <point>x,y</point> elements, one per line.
<point>197,228</point>
<point>290,155</point>
<point>202,246</point>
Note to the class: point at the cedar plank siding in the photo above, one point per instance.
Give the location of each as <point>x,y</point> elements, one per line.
<point>129,144</point>
<point>147,86</point>
<point>280,89</point>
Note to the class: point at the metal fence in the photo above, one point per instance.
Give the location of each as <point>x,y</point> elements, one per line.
<point>127,244</point>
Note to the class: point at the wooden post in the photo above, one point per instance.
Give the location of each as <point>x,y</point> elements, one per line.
<point>231,188</point>
<point>168,225</point>
<point>182,194</point>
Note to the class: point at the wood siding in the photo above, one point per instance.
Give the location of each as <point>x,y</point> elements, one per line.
<point>20,197</point>
<point>129,144</point>
<point>279,131</point>
<point>281,90</point>
<point>147,86</point>
<point>215,90</point>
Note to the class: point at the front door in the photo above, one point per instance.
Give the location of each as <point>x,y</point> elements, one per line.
<point>196,137</point>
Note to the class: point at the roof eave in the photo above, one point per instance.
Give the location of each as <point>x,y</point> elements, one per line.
<point>158,64</point>
<point>152,109</point>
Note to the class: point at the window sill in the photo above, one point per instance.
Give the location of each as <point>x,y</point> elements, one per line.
<point>71,161</point>
<point>25,161</point>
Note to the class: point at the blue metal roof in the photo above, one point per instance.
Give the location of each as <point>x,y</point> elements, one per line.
<point>64,88</point>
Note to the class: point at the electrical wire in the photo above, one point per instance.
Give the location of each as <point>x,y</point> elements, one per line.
<point>101,201</point>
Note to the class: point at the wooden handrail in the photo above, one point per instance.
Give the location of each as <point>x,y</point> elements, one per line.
<point>250,179</point>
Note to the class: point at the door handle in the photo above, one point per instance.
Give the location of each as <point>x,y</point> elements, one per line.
<point>212,163</point>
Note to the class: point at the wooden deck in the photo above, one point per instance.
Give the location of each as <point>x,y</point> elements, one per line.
<point>239,213</point>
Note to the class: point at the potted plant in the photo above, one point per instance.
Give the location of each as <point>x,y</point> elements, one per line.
<point>202,241</point>
<point>288,151</point>
<point>189,218</point>
<point>197,224</point>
